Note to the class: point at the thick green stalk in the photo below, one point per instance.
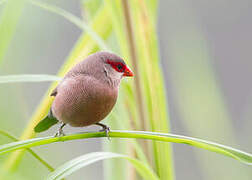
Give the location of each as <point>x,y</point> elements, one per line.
<point>127,105</point>
<point>134,60</point>
<point>153,88</point>
<point>162,137</point>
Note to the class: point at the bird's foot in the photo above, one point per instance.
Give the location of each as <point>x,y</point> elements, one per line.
<point>60,132</point>
<point>105,129</point>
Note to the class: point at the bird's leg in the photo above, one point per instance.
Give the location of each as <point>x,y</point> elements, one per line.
<point>104,128</point>
<point>60,131</point>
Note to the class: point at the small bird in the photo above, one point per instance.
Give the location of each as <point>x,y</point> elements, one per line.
<point>87,93</point>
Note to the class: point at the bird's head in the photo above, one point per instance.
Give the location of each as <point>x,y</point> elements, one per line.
<point>105,66</point>
<point>114,67</point>
<point>117,65</point>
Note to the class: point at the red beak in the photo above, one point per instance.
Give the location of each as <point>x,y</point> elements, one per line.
<point>128,72</point>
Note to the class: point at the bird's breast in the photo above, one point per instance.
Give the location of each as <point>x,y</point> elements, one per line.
<point>83,101</point>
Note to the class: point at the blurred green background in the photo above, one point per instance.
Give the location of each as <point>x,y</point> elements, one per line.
<point>205,49</point>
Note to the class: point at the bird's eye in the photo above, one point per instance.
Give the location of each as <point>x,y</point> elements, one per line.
<point>119,67</point>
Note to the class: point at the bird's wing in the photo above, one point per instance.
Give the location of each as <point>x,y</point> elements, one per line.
<point>45,124</point>
<point>54,92</point>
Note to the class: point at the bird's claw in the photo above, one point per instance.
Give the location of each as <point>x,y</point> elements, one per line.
<point>106,129</point>
<point>60,133</point>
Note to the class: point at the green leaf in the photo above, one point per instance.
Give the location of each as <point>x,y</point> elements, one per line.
<point>163,137</point>
<point>90,8</point>
<point>75,20</point>
<point>42,161</point>
<point>87,159</point>
<point>143,33</point>
<point>28,78</point>
<point>45,124</point>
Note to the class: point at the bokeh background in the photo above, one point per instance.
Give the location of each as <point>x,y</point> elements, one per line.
<point>205,49</point>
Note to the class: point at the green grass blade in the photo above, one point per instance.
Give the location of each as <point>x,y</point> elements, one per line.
<point>87,159</point>
<point>42,161</point>
<point>8,22</point>
<point>90,8</point>
<point>75,20</point>
<point>153,88</point>
<point>28,78</point>
<point>162,137</point>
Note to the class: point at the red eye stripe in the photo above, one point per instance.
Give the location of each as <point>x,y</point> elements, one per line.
<point>118,66</point>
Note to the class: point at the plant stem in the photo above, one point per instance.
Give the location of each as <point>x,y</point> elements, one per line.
<point>47,165</point>
<point>133,55</point>
<point>163,137</point>
<point>73,19</point>
<point>132,46</point>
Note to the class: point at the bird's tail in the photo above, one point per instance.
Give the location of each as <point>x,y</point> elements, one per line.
<point>46,123</point>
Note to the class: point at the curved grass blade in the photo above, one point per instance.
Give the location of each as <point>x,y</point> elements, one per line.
<point>47,165</point>
<point>75,20</point>
<point>28,78</point>
<point>71,166</point>
<point>239,155</point>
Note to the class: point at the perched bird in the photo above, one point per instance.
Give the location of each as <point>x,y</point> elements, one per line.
<point>87,93</point>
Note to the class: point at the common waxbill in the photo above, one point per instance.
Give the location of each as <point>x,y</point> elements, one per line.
<point>87,93</point>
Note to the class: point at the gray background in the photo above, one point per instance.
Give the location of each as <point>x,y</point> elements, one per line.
<point>43,40</point>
